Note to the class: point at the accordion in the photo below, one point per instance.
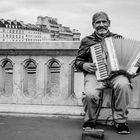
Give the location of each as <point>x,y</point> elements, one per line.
<point>116,56</point>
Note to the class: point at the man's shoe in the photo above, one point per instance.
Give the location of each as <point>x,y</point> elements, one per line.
<point>122,128</point>
<point>88,125</point>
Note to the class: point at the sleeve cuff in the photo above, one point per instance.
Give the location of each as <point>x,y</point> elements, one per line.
<point>81,66</point>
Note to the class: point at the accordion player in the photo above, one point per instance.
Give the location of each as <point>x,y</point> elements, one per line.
<point>116,56</point>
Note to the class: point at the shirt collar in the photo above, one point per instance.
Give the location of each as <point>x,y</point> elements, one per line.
<point>102,37</point>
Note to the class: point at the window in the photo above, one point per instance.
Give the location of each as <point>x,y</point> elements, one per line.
<point>76,87</point>
<point>53,78</point>
<point>29,78</point>
<point>6,78</point>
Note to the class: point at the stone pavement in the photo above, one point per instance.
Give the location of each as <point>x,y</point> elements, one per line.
<point>55,128</point>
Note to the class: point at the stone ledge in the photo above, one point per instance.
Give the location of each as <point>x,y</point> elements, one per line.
<point>61,111</point>
<point>41,45</point>
<point>41,109</point>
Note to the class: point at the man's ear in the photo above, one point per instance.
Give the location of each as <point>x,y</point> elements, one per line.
<point>93,25</point>
<point>109,23</point>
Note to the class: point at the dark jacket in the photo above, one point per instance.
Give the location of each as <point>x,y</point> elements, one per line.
<point>84,51</point>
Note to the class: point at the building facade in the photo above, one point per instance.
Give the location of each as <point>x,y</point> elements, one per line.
<point>57,31</point>
<point>46,29</point>
<point>14,31</point>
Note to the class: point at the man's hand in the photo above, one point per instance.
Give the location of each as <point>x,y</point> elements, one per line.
<point>89,67</point>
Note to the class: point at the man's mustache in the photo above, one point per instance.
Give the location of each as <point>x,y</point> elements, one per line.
<point>99,28</point>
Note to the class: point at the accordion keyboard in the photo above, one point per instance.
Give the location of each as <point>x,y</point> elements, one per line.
<point>98,59</point>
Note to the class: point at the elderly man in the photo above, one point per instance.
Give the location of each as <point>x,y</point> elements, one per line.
<point>120,83</point>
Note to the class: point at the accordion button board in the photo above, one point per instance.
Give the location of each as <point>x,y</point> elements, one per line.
<point>98,59</point>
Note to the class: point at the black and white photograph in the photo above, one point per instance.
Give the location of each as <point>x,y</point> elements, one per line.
<point>70,70</point>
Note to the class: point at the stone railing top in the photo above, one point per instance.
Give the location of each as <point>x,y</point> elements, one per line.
<point>41,45</point>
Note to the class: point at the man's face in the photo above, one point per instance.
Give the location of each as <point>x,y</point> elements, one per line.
<point>101,26</point>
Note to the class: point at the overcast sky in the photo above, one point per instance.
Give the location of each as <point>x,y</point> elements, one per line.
<point>124,14</point>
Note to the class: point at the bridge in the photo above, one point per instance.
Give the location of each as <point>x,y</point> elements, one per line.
<point>40,79</point>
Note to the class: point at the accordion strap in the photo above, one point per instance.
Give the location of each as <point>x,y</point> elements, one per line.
<point>120,72</point>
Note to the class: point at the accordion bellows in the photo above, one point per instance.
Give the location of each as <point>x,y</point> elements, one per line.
<point>116,56</point>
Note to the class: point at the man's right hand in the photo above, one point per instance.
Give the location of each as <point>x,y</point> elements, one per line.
<point>89,67</point>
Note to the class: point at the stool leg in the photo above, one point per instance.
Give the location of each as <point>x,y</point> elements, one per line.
<point>113,104</point>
